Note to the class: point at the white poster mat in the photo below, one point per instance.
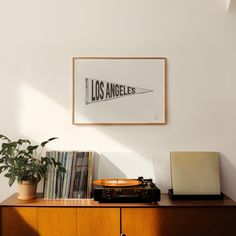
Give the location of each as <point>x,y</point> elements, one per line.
<point>142,90</point>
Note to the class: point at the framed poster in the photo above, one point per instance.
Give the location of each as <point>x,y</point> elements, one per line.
<point>119,90</point>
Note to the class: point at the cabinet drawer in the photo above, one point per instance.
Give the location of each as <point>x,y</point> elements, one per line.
<point>179,221</point>
<point>141,222</point>
<point>56,221</point>
<point>20,221</point>
<point>98,221</point>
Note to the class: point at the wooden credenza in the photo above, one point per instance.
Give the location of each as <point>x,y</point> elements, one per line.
<point>42,217</point>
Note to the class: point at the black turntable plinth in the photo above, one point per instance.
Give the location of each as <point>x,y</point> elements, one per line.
<point>126,191</point>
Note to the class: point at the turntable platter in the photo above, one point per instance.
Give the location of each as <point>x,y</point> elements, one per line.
<point>117,182</point>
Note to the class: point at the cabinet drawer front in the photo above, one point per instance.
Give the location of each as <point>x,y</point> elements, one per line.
<point>20,221</point>
<point>140,222</point>
<point>98,221</point>
<point>57,221</point>
<point>179,221</point>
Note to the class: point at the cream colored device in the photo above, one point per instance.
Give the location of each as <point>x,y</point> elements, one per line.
<point>195,173</point>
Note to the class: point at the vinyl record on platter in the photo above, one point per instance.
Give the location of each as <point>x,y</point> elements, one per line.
<point>117,182</point>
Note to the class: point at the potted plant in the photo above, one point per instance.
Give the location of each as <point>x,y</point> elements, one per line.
<point>21,161</point>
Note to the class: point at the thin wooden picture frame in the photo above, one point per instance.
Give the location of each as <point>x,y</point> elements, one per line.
<point>96,101</point>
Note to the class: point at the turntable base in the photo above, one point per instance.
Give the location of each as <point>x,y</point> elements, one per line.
<point>126,190</point>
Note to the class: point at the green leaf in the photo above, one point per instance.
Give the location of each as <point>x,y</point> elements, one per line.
<point>8,175</point>
<point>21,141</point>
<point>20,164</point>
<point>4,137</point>
<point>5,145</point>
<point>62,169</point>
<point>11,181</point>
<point>49,140</point>
<point>2,168</point>
<point>53,161</point>
<point>32,148</point>
<point>13,144</point>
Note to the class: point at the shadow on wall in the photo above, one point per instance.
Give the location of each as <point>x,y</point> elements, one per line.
<point>226,176</point>
<point>232,7</point>
<point>133,165</point>
<point>40,71</point>
<point>139,139</point>
<point>10,105</point>
<point>107,169</point>
<point>19,221</point>
<point>159,139</point>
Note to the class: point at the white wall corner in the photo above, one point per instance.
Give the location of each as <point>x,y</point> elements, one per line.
<point>228,4</point>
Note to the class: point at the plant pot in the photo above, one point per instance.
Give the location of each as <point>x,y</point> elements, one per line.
<point>27,190</point>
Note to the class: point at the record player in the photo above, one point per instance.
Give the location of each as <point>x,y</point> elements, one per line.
<point>126,190</point>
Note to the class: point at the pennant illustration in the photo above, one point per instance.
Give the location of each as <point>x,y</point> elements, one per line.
<point>100,90</point>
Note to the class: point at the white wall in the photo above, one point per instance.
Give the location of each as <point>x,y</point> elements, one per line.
<point>39,38</point>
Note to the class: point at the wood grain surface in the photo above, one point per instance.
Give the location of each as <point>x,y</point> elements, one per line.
<point>98,221</point>
<point>20,221</point>
<point>165,202</point>
<point>57,221</point>
<point>182,221</point>
<point>85,217</point>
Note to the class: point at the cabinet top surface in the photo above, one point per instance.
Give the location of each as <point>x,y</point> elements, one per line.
<point>165,202</point>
